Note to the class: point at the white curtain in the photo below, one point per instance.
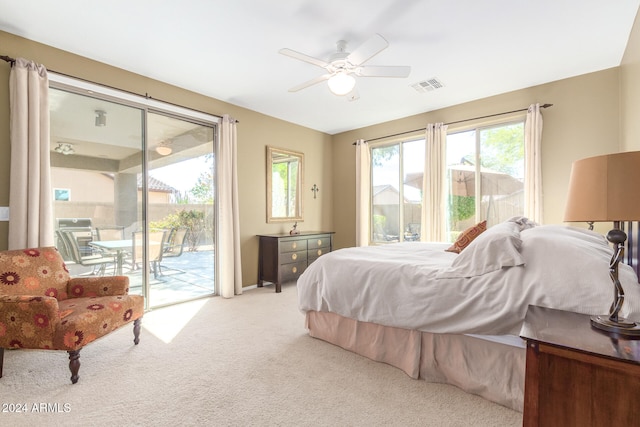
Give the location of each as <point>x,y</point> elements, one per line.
<point>533,164</point>
<point>228,256</point>
<point>30,198</point>
<point>434,214</point>
<point>363,189</point>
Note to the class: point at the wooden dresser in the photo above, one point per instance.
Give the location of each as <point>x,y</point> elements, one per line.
<point>283,257</point>
<point>577,375</point>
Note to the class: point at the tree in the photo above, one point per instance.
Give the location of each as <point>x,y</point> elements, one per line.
<point>502,149</point>
<point>202,191</point>
<point>460,208</point>
<point>380,155</point>
<point>192,220</point>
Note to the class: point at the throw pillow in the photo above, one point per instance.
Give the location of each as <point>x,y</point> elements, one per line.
<point>467,236</point>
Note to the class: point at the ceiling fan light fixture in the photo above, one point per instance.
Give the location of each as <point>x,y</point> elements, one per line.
<point>163,149</point>
<point>341,83</point>
<point>64,148</point>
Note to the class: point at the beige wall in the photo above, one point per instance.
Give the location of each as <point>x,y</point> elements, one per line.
<point>100,189</point>
<point>584,121</point>
<point>630,92</point>
<point>255,132</point>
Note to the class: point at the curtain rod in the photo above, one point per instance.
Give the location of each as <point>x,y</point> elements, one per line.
<point>8,59</point>
<point>146,95</point>
<point>457,121</point>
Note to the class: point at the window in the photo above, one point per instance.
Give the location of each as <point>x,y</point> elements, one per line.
<point>397,172</point>
<point>484,177</point>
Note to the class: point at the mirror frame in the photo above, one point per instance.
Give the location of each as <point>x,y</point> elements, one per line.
<point>299,214</point>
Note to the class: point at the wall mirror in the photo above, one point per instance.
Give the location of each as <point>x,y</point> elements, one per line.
<point>285,172</point>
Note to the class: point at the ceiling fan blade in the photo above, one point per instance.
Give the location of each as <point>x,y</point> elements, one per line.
<point>368,50</point>
<point>383,71</point>
<point>310,82</point>
<point>302,57</point>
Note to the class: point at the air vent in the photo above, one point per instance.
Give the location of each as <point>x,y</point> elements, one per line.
<point>427,85</point>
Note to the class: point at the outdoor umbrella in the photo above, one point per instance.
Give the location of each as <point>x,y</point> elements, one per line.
<point>463,181</point>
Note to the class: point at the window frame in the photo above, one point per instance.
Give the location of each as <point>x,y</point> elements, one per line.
<point>475,125</point>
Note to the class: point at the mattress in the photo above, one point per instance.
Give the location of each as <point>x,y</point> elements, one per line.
<point>485,290</point>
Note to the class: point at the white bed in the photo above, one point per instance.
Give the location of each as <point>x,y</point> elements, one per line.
<point>452,318</point>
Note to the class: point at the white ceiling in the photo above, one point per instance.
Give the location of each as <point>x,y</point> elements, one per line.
<point>229,49</point>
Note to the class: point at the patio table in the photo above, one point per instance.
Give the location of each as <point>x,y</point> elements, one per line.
<point>120,247</point>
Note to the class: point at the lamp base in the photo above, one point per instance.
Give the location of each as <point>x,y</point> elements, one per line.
<point>621,327</point>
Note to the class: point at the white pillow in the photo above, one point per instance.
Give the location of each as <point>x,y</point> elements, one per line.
<point>523,222</point>
<point>496,248</point>
<point>556,230</point>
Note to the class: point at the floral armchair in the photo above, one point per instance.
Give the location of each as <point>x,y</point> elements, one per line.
<point>42,307</point>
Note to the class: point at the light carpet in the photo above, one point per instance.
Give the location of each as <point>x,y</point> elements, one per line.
<point>245,361</point>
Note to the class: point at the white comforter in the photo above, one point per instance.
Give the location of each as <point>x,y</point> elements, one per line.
<point>487,291</point>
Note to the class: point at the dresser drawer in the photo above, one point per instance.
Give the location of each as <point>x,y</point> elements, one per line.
<point>293,257</point>
<point>313,254</point>
<point>319,242</point>
<point>293,245</point>
<point>292,271</point>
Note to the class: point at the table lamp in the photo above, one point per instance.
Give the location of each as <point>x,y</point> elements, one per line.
<point>605,189</point>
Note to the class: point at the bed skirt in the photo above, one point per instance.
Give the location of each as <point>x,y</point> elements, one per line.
<point>489,369</point>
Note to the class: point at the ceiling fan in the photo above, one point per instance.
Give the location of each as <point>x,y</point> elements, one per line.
<point>342,66</point>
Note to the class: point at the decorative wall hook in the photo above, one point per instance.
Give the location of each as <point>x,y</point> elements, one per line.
<point>315,190</point>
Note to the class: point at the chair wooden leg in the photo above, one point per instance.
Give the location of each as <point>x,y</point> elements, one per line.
<point>136,330</point>
<point>1,360</point>
<point>74,364</point>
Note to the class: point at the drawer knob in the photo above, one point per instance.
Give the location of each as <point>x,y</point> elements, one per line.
<point>294,245</point>
<point>319,242</point>
<point>294,256</point>
<point>294,269</point>
<point>319,252</point>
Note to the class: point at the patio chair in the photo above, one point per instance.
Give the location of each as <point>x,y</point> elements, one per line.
<point>174,246</point>
<point>157,240</point>
<point>110,233</point>
<point>175,243</point>
<point>98,261</point>
<point>45,308</point>
<point>62,246</point>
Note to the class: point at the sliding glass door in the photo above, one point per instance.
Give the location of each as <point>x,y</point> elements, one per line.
<point>180,189</point>
<point>134,194</point>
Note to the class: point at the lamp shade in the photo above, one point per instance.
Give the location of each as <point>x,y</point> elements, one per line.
<point>604,188</point>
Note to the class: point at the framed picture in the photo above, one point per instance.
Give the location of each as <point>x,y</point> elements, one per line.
<point>62,194</point>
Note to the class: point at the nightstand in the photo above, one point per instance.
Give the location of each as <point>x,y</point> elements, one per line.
<point>577,375</point>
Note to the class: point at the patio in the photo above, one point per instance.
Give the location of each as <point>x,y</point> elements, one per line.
<point>182,278</point>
